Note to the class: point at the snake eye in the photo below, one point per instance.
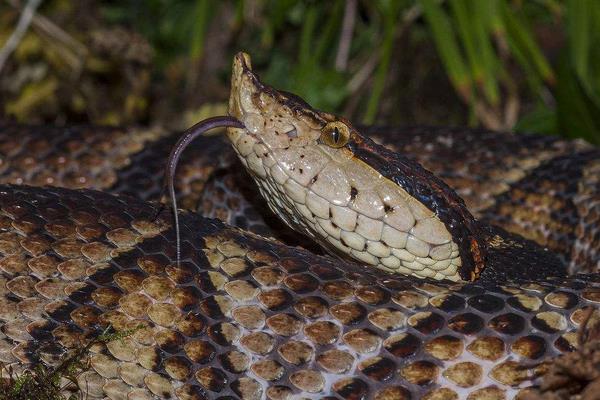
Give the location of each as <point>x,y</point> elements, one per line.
<point>335,134</point>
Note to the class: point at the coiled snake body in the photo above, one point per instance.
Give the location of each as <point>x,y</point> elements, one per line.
<point>246,317</point>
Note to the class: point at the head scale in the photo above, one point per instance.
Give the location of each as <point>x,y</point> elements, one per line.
<point>354,197</point>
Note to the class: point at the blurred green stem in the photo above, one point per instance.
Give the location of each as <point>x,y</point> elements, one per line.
<point>390,26</point>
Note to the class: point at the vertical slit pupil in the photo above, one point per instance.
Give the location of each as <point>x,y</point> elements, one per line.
<point>336,135</point>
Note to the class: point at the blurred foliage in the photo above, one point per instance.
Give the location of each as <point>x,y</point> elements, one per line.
<point>503,64</point>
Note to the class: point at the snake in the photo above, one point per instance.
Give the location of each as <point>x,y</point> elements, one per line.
<point>415,290</point>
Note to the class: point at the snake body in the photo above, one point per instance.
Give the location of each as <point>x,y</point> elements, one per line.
<point>247,317</point>
<point>250,318</point>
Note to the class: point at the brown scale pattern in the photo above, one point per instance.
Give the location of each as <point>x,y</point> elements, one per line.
<point>76,157</point>
<point>479,164</point>
<point>527,184</point>
<point>557,205</point>
<point>541,187</point>
<point>245,318</point>
<point>587,245</point>
<point>125,161</point>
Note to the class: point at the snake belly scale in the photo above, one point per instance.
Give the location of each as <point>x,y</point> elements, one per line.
<point>244,317</point>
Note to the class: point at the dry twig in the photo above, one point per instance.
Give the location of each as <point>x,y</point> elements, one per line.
<point>341,58</point>
<point>22,26</point>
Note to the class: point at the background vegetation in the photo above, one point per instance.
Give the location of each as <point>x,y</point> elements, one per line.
<point>502,64</point>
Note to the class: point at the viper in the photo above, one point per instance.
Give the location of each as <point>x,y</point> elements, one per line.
<point>419,297</point>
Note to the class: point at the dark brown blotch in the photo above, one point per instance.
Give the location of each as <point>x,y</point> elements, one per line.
<point>169,341</point>
<point>379,369</point>
<point>467,323</point>
<point>279,392</point>
<point>211,378</point>
<point>301,283</point>
<point>186,297</point>
<point>338,290</point>
<point>428,323</point>
<point>199,351</point>
<point>190,392</point>
<point>191,325</point>
<point>107,296</point>
<point>311,307</point>
<point>348,313</point>
<point>59,310</point>
<point>508,324</point>
<point>530,346</point>
<point>402,345</point>
<point>549,321</point>
<point>235,361</point>
<point>486,303</point>
<point>247,388</point>
<point>564,344</point>
<point>216,307</point>
<point>224,333</point>
<point>275,299</point>
<point>41,330</point>
<point>325,272</point>
<point>448,302</point>
<point>85,317</point>
<point>562,299</point>
<point>372,295</point>
<point>182,273</point>
<point>351,389</point>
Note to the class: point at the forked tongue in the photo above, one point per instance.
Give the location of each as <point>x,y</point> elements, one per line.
<point>184,141</point>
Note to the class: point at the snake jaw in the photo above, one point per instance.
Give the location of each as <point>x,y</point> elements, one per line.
<point>354,198</point>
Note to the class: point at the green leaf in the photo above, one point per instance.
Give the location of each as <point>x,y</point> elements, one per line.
<point>332,25</point>
<point>463,21</point>
<point>391,12</point>
<point>523,45</point>
<point>447,46</point>
<point>584,39</point>
<point>541,120</point>
<point>577,115</point>
<point>306,37</point>
<point>199,23</point>
<point>483,29</point>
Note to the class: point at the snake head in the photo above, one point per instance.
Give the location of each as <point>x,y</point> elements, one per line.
<point>357,199</point>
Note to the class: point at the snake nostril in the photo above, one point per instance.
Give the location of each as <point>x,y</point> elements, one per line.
<point>292,133</point>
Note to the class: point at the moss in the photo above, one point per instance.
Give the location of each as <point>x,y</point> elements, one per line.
<point>55,383</point>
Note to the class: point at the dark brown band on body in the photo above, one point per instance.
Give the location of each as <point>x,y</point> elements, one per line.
<point>434,194</point>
